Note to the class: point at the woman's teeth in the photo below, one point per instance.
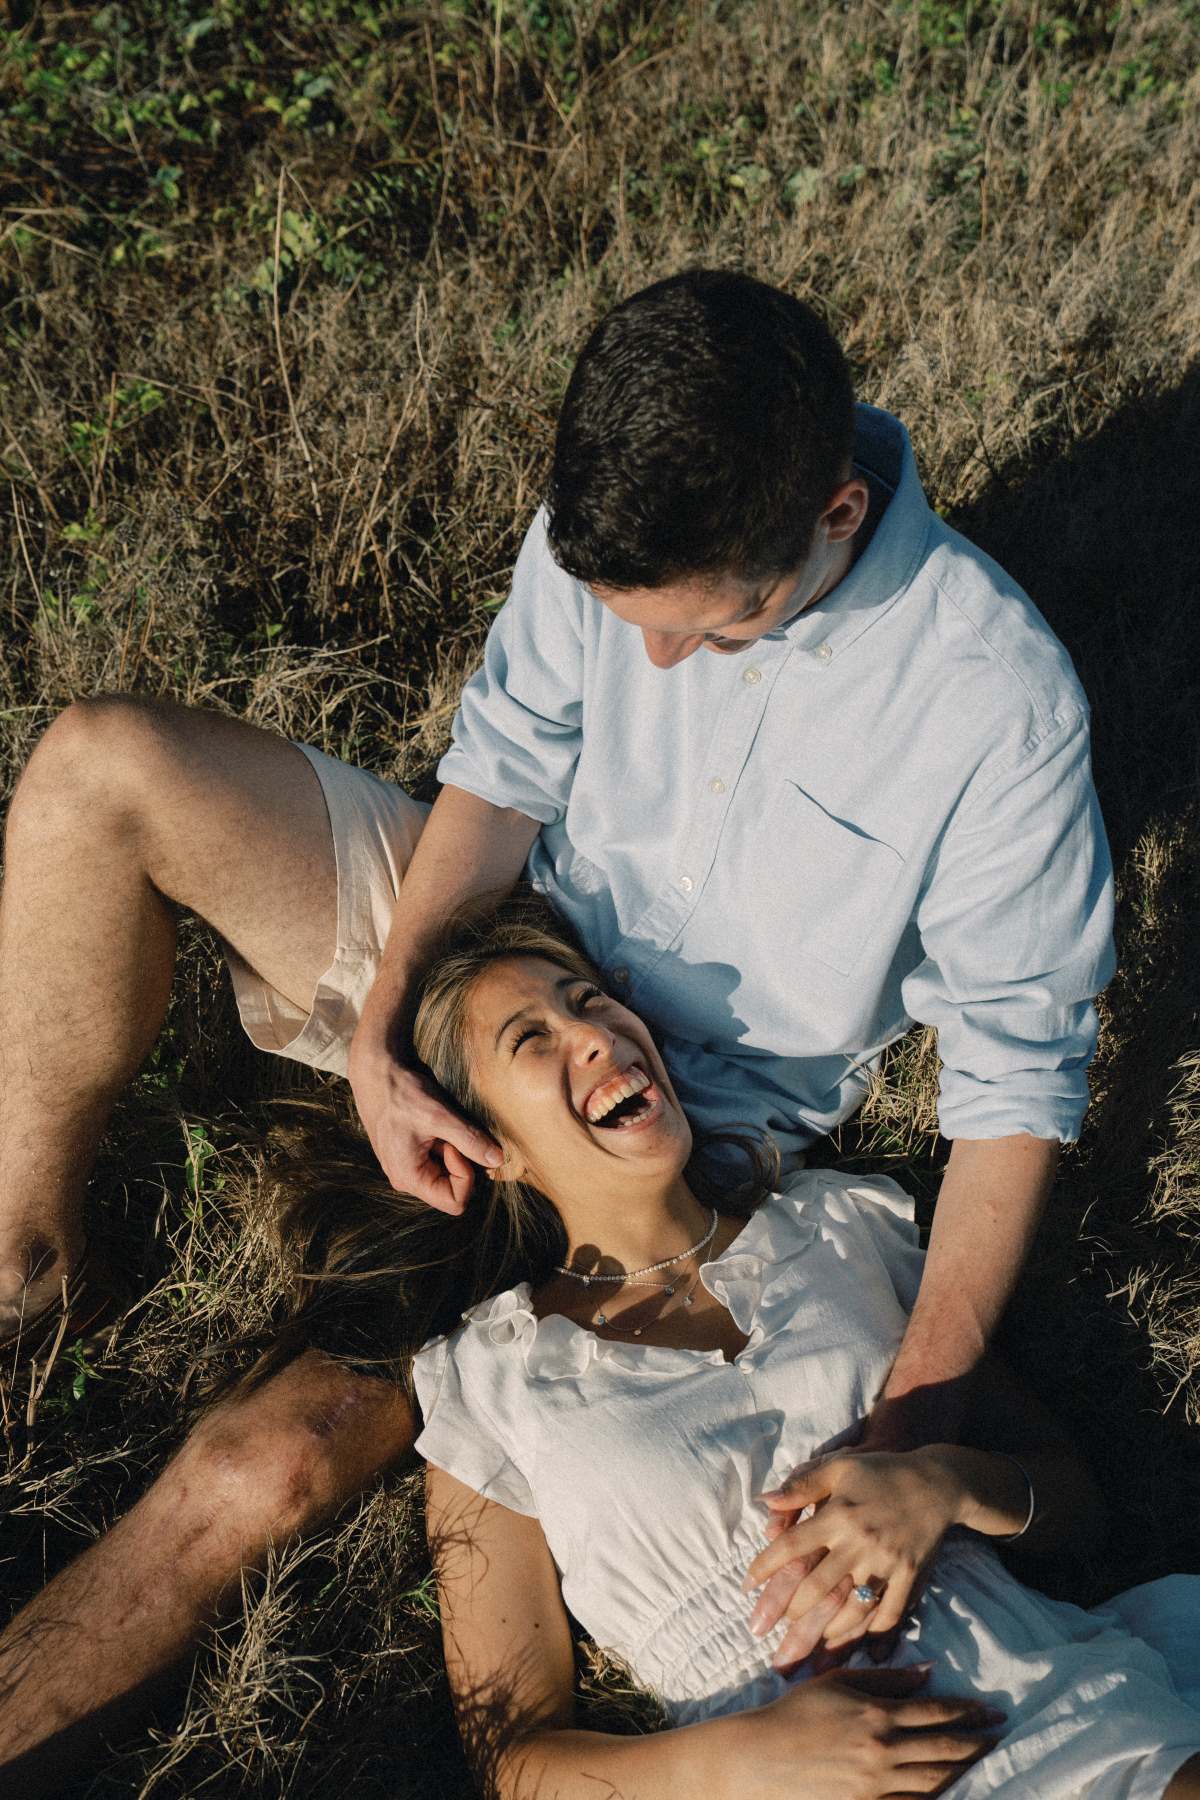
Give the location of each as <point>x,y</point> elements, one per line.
<point>611,1093</point>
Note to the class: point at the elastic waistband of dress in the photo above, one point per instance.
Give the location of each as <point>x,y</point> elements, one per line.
<point>704,1644</point>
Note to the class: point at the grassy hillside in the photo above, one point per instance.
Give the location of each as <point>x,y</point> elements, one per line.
<point>288,298</point>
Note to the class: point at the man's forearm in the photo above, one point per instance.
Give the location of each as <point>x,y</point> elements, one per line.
<point>467,848</point>
<point>991,1201</point>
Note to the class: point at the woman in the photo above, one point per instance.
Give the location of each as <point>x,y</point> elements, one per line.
<point>599,1432</point>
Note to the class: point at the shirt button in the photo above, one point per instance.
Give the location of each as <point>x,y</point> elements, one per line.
<point>685,884</point>
<point>620,976</point>
<point>823,652</point>
<point>716,785</point>
<point>751,676</point>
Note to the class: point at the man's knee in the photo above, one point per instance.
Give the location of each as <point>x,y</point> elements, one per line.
<point>248,1488</point>
<point>106,751</point>
<point>259,1470</point>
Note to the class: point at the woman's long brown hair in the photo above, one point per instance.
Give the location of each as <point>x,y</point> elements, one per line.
<point>375,1273</point>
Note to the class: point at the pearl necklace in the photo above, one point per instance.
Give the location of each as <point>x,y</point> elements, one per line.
<point>650,1268</point>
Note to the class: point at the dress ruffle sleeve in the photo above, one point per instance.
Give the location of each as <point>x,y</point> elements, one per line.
<point>875,1217</point>
<point>460,1435</point>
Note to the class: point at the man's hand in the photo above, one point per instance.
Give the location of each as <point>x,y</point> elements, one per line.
<point>987,1213</point>
<point>873,1519</point>
<point>424,1146</point>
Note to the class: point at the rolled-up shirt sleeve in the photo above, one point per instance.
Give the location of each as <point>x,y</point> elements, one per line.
<point>1015,923</point>
<point>516,734</point>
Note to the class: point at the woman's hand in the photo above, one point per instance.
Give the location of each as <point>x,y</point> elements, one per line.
<point>855,1735</point>
<point>877,1518</point>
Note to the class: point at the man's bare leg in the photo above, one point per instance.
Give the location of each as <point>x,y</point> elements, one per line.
<point>257,1470</point>
<point>125,807</point>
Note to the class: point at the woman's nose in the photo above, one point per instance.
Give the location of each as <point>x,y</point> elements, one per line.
<point>591,1041</point>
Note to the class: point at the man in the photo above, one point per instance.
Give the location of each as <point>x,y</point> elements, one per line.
<point>799,763</point>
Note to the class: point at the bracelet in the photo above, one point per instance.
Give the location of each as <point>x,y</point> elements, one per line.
<point>1012,1536</point>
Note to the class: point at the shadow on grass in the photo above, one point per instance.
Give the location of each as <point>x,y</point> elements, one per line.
<point>1106,538</point>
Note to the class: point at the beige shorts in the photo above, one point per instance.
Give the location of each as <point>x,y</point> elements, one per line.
<point>375,828</point>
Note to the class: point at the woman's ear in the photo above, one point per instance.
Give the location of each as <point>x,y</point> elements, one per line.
<point>511,1169</point>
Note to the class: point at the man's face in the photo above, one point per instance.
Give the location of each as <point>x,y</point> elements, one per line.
<point>689,615</point>
<point>727,614</point>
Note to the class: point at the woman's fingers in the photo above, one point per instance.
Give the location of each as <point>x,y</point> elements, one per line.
<point>924,1712</point>
<point>832,1570</point>
<point>796,1541</point>
<point>895,1604</point>
<point>773,1602</point>
<point>943,1747</point>
<point>805,1486</point>
<point>933,1777</point>
<point>854,1619</point>
<point>898,1597</point>
<point>800,1640</point>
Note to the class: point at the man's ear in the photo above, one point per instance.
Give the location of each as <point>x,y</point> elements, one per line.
<point>847,509</point>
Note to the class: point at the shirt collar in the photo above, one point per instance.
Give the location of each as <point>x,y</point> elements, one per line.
<point>884,571</point>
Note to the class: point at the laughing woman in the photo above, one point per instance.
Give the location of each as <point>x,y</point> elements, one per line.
<point>661,1351</point>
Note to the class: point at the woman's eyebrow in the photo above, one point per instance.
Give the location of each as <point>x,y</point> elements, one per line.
<point>522,1012</point>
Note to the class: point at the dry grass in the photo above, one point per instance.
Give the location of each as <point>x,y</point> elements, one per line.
<point>280,372</point>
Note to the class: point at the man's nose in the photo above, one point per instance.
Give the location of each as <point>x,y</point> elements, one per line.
<point>666,648</point>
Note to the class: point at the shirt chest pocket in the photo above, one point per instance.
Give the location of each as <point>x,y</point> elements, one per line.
<point>826,882</point>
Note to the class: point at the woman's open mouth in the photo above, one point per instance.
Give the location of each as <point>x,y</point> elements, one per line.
<point>625,1102</point>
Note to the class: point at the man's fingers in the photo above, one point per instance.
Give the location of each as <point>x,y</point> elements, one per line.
<point>898,1684</point>
<point>461,1175</point>
<point>431,1181</point>
<point>823,1660</point>
<point>458,1135</point>
<point>879,1645</point>
<point>436,1191</point>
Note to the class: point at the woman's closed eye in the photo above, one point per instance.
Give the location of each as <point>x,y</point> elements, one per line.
<point>584,998</point>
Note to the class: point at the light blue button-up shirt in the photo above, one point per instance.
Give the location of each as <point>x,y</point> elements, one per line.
<point>880,812</point>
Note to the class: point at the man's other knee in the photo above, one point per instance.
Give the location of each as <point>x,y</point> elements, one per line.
<point>262,1468</point>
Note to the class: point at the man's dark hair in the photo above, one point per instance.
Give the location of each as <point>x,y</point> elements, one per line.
<point>705,426</point>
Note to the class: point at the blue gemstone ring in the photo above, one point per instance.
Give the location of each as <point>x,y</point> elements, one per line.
<point>865,1595</point>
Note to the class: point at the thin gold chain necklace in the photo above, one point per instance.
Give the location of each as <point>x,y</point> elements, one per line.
<point>601,1319</point>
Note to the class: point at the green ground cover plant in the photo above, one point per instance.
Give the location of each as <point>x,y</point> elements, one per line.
<point>288,297</point>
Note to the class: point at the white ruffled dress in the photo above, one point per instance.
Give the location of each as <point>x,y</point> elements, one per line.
<point>641,1464</point>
